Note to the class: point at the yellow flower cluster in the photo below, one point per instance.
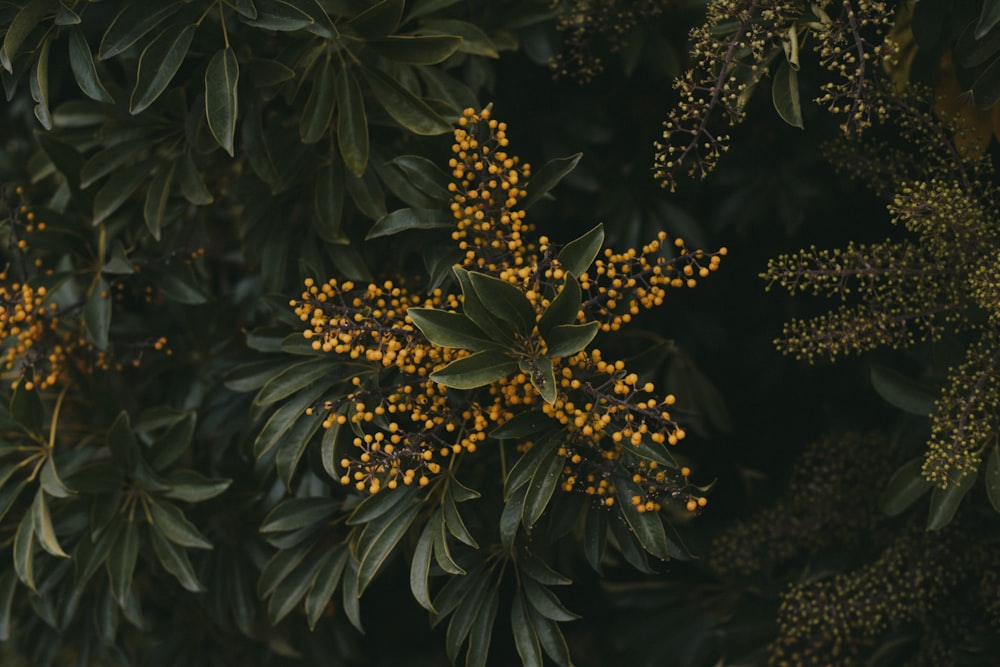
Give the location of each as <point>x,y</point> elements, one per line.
<point>28,332</point>
<point>407,427</point>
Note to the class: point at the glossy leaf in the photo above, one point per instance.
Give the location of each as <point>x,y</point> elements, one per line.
<point>81,61</point>
<point>476,310</point>
<point>170,447</point>
<point>548,177</point>
<point>510,517</point>
<point>565,340</point>
<point>525,637</point>
<point>24,551</point>
<point>901,392</point>
<point>23,23</point>
<point>379,540</point>
<point>171,522</point>
<point>542,375</point>
<point>117,190</point>
<point>425,175</point>
<point>785,95</point>
<point>158,64</point>
<point>524,470</point>
<point>447,329</point>
<point>595,538</point>
<point>545,601</point>
<point>421,563</point>
<point>352,123</point>
<point>904,488</point>
<point>193,487</point>
<point>550,637</point>
<point>476,370</point>
<point>474,40</point>
<point>454,523</point>
<point>405,219</point>
<point>221,101</point>
<point>318,110</point>
<point>405,108</point>
<point>297,513</point>
<point>136,19</point>
<point>541,487</point>
<point>504,301</point>
<point>157,196</point>
<point>293,445</point>
<point>39,84</point>
<point>43,527</point>
<point>461,620</point>
<point>175,561</point>
<point>647,526</point>
<point>416,49</point>
<point>945,502</point>
<point>577,255</point>
<point>564,307</point>
<point>292,379</point>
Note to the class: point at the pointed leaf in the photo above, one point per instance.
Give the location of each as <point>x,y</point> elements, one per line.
<point>989,17</point>
<point>548,177</point>
<point>136,19</point>
<point>945,502</point>
<point>545,601</point>
<point>294,378</point>
<point>156,199</point>
<point>565,340</point>
<point>901,392</point>
<point>121,561</point>
<point>550,637</point>
<point>405,108</point>
<point>221,108</point>
<point>447,329</point>
<point>380,19</point>
<point>193,487</point>
<point>421,564</point>
<point>8,585</point>
<point>109,160</point>
<point>524,470</point>
<point>117,190</point>
<point>476,311</point>
<point>24,551</point>
<point>382,537</point>
<point>425,175</point>
<point>39,84</point>
<point>43,526</point>
<point>328,578</point>
<point>525,637</point>
<point>328,199</point>
<point>81,61</point>
<point>298,513</point>
<point>504,301</point>
<point>563,309</point>
<point>647,526</point>
<point>454,523</point>
<point>191,181</point>
<point>481,631</point>
<point>405,219</point>
<point>318,110</point>
<point>523,425</point>
<point>121,441</point>
<point>785,95</point>
<point>904,488</point>
<point>352,123</point>
<point>577,255</point>
<point>476,370</point>
<point>171,522</point>
<point>295,586</point>
<point>416,49</point>
<point>175,561</point>
<point>23,23</point>
<point>543,484</point>
<point>158,64</point>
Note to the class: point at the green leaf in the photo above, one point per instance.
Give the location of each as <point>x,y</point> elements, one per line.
<point>350,598</point>
<point>379,539</point>
<point>170,447</point>
<point>647,526</point>
<point>191,181</point>
<point>474,40</point>
<point>595,537</point>
<point>986,87</point>
<point>577,255</point>
<point>109,160</point>
<point>416,49</point>
<point>548,177</point>
<point>785,95</point>
<point>175,561</point>
<point>278,15</point>
<point>298,513</point>
<point>534,567</point>
<point>461,620</point>
<point>542,376</point>
<point>352,123</point>
<point>117,190</point>
<point>565,340</point>
<point>193,487</point>
<point>321,24</point>
<point>117,262</point>
<point>8,585</point>
<point>522,425</point>
<point>23,23</point>
<point>563,309</point>
<point>39,84</point>
<point>122,443</point>
<point>481,630</point>
<point>405,219</point>
<point>221,107</point>
<point>448,89</point>
<point>989,17</point>
<point>543,484</point>
<point>993,477</point>
<point>245,8</point>
<point>170,520</point>
<point>177,282</point>
<point>425,175</point>
<point>447,329</point>
<point>294,378</point>
<point>421,564</point>
<point>328,451</point>
<point>327,579</point>
<point>295,586</point>
<point>525,637</point>
<point>367,195</point>
<point>405,108</point>
<point>901,392</point>
<point>545,601</point>
<point>510,517</point>
<point>254,375</point>
<point>121,561</point>
<point>136,19</point>
<point>454,523</point>
<point>442,554</point>
<point>81,61</point>
<point>328,199</point>
<point>43,526</point>
<point>50,481</point>
<point>504,301</point>
<point>380,19</point>
<point>476,370</point>
<point>66,16</point>
<point>156,198</point>
<point>524,470</point>
<point>90,555</point>
<point>551,637</point>
<point>26,405</point>
<point>293,445</point>
<point>476,311</point>
<point>378,505</point>
<point>945,502</point>
<point>24,551</point>
<point>279,566</point>
<point>904,488</point>
<point>158,64</point>
<point>318,110</point>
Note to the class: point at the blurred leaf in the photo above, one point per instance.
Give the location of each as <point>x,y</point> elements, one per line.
<point>522,425</point>
<point>416,49</point>
<point>170,447</point>
<point>175,561</point>
<point>278,15</point>
<point>26,405</point>
<point>901,392</point>
<point>993,477</point>
<point>158,64</point>
<point>51,482</point>
<point>177,282</point>
<point>447,329</point>
<point>293,445</point>
<point>565,340</point>
<point>84,71</point>
<point>23,23</point>
<point>171,522</point>
<point>405,219</point>
<point>328,199</point>
<point>595,537</point>
<point>945,502</point>
<point>297,513</point>
<point>118,189</point>
<point>352,123</point>
<point>117,261</point>
<point>136,19</point>
<point>577,255</point>
<point>24,551</point>
<point>39,84</point>
<point>785,95</point>
<point>474,40</point>
<point>548,177</point>
<point>295,586</point>
<point>380,19</point>
<point>989,17</point>
<point>404,107</point>
<point>121,561</point>
<point>986,87</point>
<point>904,488</point>
<point>156,198</point>
<point>8,585</point>
<point>193,487</point>
<point>109,160</point>
<point>318,110</point>
<point>221,77</point>
<point>476,370</point>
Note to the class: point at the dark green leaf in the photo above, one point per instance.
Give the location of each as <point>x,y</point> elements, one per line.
<point>351,598</point>
<point>328,450</point>
<point>525,637</point>
<point>474,40</point>
<point>177,282</point>
<point>117,190</point>
<point>293,588</point>
<point>352,123</point>
<point>425,175</point>
<point>416,49</point>
<point>156,198</point>
<point>327,579</point>
<point>136,19</point>
<point>328,199</point>
<point>43,527</point>
<point>23,23</point>
<point>158,64</point>
<point>989,17</point>
<point>421,564</point>
<point>294,378</point>
<point>522,425</point>
<point>193,487</point>
<point>246,8</point>
<point>278,15</point>
<point>109,160</point>
<point>117,262</point>
<point>318,110</point>
<point>90,555</point>
<point>476,370</point>
<point>255,375</point>
<point>442,553</point>
<point>175,561</point>
<point>504,301</point>
<point>543,484</point>
<point>904,488</point>
<point>24,551</point>
<point>901,392</point>
<point>510,518</point>
<point>81,61</point>
<point>379,540</point>
<point>8,584</point>
<point>551,637</point>
<point>50,481</point>
<point>595,536</point>
<point>545,601</point>
<point>257,151</point>
<point>529,463</point>
<point>405,108</point>
<point>367,195</point>
<point>121,441</point>
<point>26,406</point>
<point>945,502</point>
<point>221,107</point>
<point>321,24</point>
<point>986,88</point>
<point>279,566</point>
<point>537,569</point>
<point>482,630</point>
<point>405,219</point>
<point>476,311</point>
<point>379,504</point>
<point>380,19</point>
<point>542,376</point>
<point>446,329</point>
<point>293,445</point>
<point>577,255</point>
<point>447,89</point>
<point>563,309</point>
<point>121,561</point>
<point>647,526</point>
<point>298,513</point>
<point>565,340</point>
<point>171,446</point>
<point>420,8</point>
<point>993,477</point>
<point>548,177</point>
<point>454,523</point>
<point>39,84</point>
<point>461,620</point>
<point>785,95</point>
<point>171,522</point>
